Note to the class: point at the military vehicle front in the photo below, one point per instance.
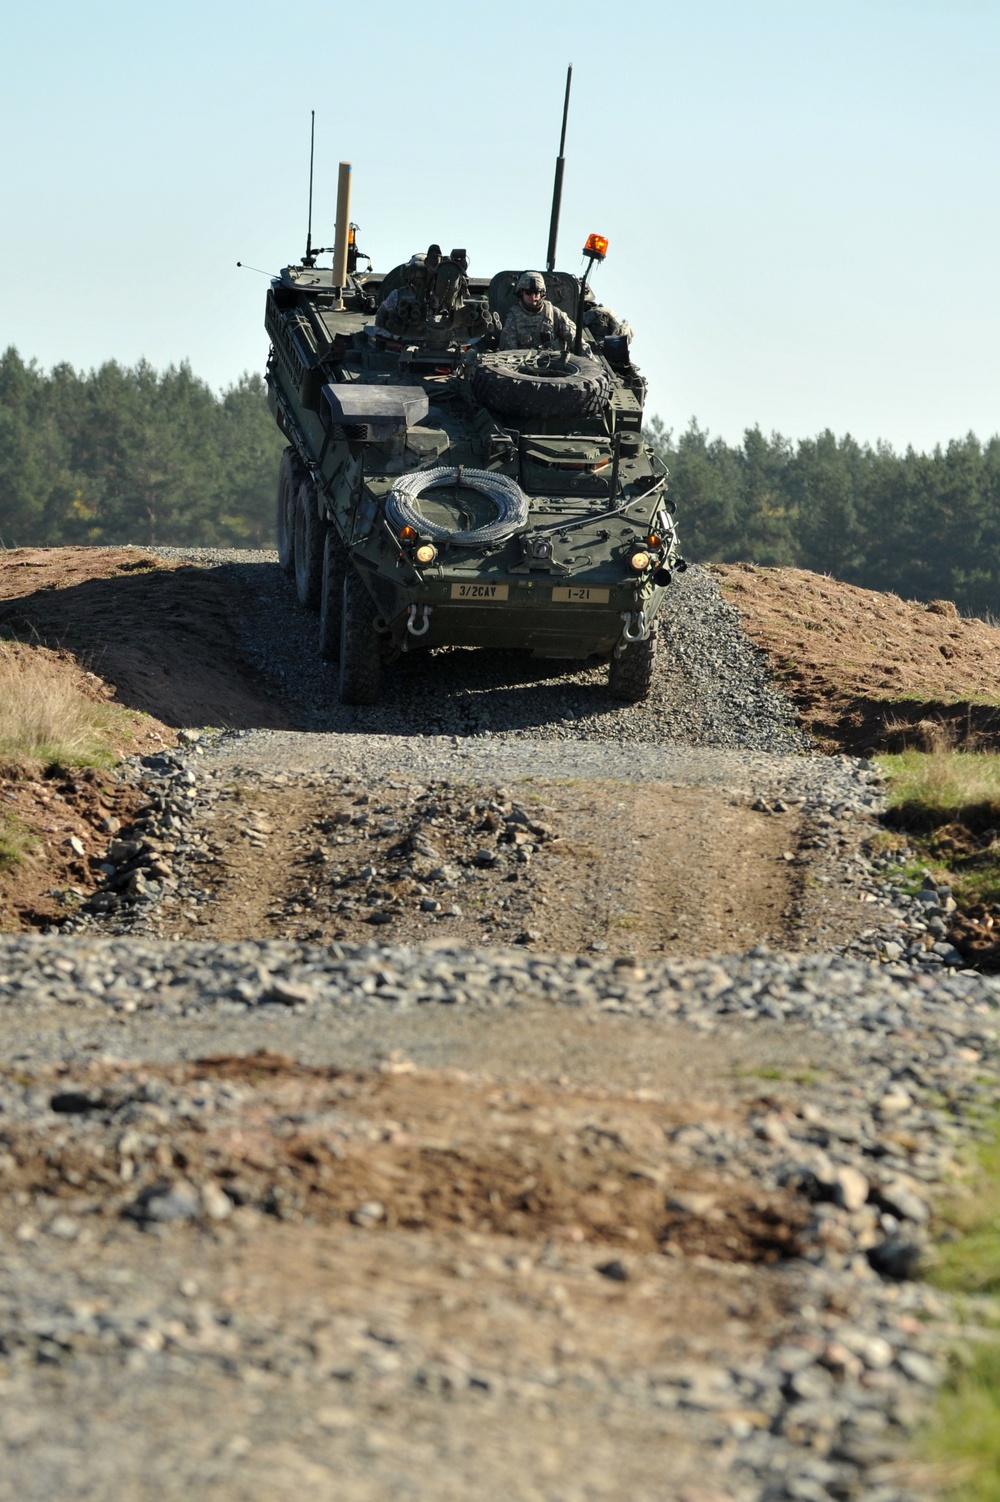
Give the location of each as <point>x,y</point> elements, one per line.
<point>439,491</point>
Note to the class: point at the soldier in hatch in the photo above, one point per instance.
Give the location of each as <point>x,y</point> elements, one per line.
<point>601,321</point>
<point>404,306</point>
<point>533,322</point>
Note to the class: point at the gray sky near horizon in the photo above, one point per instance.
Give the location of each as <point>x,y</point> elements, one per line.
<point>800,195</point>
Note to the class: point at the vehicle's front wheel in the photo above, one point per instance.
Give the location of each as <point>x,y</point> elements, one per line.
<point>630,676</point>
<point>335,565</point>
<point>310,534</point>
<point>289,480</point>
<point>360,645</point>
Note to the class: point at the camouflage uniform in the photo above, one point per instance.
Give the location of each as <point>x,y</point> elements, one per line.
<point>541,326</point>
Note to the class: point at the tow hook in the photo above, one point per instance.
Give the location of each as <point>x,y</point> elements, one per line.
<point>421,613</point>
<point>635,629</point>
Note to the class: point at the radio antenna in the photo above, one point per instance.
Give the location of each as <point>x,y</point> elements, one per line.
<point>557,185</point>
<point>309,259</point>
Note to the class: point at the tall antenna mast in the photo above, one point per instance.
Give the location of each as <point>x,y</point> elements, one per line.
<point>550,259</point>
<point>309,258</point>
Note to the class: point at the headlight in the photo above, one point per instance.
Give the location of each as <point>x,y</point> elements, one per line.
<point>426,553</point>
<point>639,561</point>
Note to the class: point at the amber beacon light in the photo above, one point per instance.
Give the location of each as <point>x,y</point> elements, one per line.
<point>595,250</point>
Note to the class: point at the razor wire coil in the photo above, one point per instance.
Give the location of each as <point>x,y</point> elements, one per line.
<point>506,495</point>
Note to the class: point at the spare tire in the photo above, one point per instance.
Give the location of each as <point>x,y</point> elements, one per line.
<point>531,383</point>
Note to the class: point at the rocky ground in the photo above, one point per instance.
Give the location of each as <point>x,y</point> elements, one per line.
<point>497,1092</point>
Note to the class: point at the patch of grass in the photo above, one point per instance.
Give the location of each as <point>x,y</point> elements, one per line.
<point>948,802</point>
<point>944,783</point>
<point>23,1078</point>
<point>965,1439</point>
<point>45,718</point>
<point>909,875</point>
<point>969,1261</point>
<point>885,841</point>
<point>978,885</point>
<point>15,842</point>
<point>775,1072</point>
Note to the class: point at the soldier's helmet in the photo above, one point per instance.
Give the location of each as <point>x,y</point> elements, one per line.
<point>415,268</point>
<point>530,281</point>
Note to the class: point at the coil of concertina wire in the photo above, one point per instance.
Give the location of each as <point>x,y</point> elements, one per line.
<point>506,495</point>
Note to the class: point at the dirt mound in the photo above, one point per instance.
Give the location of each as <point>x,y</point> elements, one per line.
<point>55,823</point>
<point>871,671</point>
<point>160,633</point>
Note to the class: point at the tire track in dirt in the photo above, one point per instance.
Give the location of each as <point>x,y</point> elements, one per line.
<point>567,866</point>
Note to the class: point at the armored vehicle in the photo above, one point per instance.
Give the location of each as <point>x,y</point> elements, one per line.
<point>438,490</point>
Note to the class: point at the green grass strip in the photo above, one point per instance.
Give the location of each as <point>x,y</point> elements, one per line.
<point>963,1440</point>
<point>964,1443</point>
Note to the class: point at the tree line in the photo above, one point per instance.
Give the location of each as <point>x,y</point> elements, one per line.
<point>128,454</point>
<point>125,454</point>
<point>923,526</point>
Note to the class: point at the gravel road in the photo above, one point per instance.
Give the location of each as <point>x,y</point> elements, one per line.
<point>438,1219</point>
<point>712,688</point>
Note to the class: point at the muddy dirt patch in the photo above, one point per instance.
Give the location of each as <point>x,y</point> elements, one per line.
<point>417,1150</point>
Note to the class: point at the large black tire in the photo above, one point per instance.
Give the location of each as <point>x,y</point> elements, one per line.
<point>360,645</point>
<point>511,383</point>
<point>630,676</point>
<point>290,477</point>
<point>331,603</point>
<point>310,535</point>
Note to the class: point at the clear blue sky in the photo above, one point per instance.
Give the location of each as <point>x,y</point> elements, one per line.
<point>801,195</point>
